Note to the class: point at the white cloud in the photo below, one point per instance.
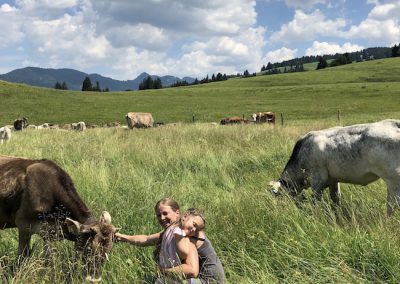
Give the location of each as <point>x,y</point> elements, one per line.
<point>10,26</point>
<point>281,54</point>
<point>45,4</point>
<point>205,18</point>
<point>140,35</point>
<point>385,11</point>
<point>228,55</point>
<point>322,48</point>
<point>6,8</point>
<point>67,41</point>
<point>305,4</point>
<point>307,27</point>
<point>382,25</point>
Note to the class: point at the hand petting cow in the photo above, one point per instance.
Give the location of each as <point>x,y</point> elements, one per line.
<point>357,154</point>
<point>38,197</point>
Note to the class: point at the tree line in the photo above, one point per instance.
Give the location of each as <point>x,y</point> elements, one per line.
<point>287,66</point>
<point>296,65</point>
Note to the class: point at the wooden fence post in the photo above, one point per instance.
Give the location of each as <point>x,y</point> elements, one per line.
<point>193,118</point>
<point>281,118</point>
<point>338,116</point>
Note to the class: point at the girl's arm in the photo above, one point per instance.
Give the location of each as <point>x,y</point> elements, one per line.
<point>190,260</point>
<point>139,240</point>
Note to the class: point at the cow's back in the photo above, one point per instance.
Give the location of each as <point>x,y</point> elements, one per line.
<point>12,175</point>
<point>358,153</point>
<point>139,119</point>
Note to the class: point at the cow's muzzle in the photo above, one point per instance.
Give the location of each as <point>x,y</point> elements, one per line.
<point>275,188</point>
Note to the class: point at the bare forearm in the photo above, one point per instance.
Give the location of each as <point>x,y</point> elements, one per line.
<point>187,270</point>
<point>137,240</point>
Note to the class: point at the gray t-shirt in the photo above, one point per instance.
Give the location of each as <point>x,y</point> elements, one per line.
<point>211,269</point>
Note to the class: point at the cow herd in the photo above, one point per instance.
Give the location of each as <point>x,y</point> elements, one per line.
<point>258,117</point>
<point>133,120</point>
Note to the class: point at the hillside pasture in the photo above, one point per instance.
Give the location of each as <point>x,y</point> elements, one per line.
<point>361,91</point>
<point>224,171</point>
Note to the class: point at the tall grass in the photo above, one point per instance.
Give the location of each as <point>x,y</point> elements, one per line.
<point>224,172</point>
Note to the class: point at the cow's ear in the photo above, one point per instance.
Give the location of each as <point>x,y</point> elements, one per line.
<point>73,226</point>
<point>105,218</point>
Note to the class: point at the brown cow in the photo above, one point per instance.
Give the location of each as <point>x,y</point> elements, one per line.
<point>268,117</point>
<point>233,120</point>
<point>39,197</point>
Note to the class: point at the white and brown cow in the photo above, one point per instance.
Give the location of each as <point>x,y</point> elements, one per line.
<point>357,154</point>
<point>268,117</point>
<point>139,120</point>
<point>80,126</point>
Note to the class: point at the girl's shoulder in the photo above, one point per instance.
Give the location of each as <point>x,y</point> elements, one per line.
<point>178,231</point>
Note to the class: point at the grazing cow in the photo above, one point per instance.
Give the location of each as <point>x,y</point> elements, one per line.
<point>268,117</point>
<point>20,123</point>
<point>31,126</point>
<point>233,120</point>
<point>44,126</point>
<point>5,134</point>
<point>357,154</point>
<point>139,120</point>
<point>39,197</point>
<point>80,126</point>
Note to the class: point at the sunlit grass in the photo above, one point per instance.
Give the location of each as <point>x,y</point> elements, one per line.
<point>224,172</point>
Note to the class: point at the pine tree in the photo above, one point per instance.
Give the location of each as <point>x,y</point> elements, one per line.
<point>87,84</point>
<point>57,86</point>
<point>396,50</point>
<point>157,83</point>
<point>322,63</point>
<point>64,86</point>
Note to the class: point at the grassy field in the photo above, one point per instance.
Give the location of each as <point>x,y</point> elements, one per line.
<point>361,91</point>
<point>223,170</point>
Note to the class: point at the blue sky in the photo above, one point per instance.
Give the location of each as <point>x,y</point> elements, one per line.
<point>121,38</point>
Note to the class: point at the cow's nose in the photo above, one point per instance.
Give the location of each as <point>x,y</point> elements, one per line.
<point>275,192</point>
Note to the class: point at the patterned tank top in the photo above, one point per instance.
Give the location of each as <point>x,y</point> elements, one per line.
<point>168,254</point>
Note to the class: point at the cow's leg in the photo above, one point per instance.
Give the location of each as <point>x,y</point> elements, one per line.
<point>318,182</point>
<point>334,192</point>
<point>393,199</point>
<point>24,240</point>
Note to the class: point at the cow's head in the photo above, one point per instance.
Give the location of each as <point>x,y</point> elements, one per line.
<point>254,117</point>
<point>95,241</point>
<point>290,187</point>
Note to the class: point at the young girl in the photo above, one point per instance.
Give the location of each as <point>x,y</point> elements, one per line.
<point>177,250</point>
<point>192,225</point>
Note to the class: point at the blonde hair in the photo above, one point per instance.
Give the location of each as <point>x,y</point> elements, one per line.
<point>196,213</point>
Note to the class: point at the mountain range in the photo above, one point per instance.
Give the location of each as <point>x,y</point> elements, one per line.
<point>47,77</point>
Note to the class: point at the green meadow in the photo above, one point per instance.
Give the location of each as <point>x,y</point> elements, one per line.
<point>222,170</point>
<point>360,91</point>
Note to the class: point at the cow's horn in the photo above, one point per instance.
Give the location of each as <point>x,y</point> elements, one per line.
<point>105,217</point>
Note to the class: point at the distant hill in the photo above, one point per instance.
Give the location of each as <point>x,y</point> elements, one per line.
<point>47,77</point>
